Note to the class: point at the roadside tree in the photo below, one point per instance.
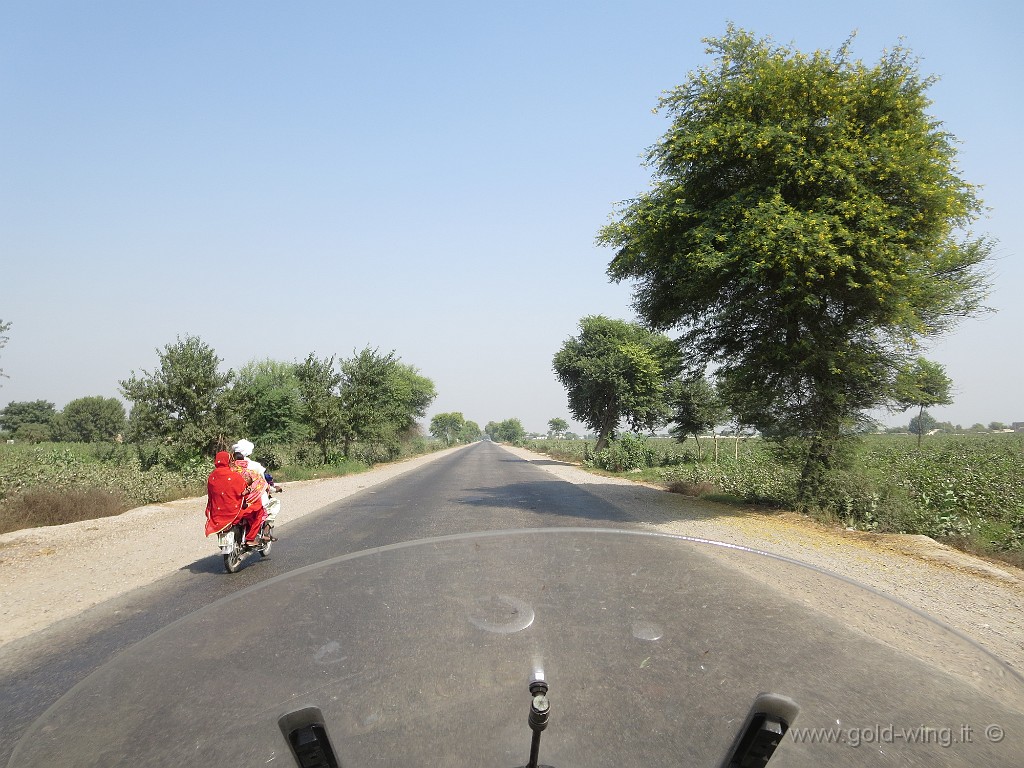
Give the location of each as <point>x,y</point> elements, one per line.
<point>382,398</point>
<point>447,427</point>
<point>616,371</point>
<point>321,402</point>
<point>183,403</point>
<point>805,230</point>
<point>268,398</point>
<point>471,432</point>
<point>507,431</point>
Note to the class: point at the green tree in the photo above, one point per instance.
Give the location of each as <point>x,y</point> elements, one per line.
<point>508,431</point>
<point>616,371</point>
<point>995,426</point>
<point>33,432</point>
<point>268,399</point>
<point>447,427</point>
<point>382,398</point>
<point>695,409</point>
<point>319,384</point>
<point>805,229</point>
<point>19,413</point>
<point>557,427</point>
<point>94,419</point>
<point>922,424</point>
<point>922,384</point>
<point>184,402</point>
<point>470,432</point>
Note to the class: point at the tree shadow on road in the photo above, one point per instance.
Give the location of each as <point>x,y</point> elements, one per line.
<point>560,502</point>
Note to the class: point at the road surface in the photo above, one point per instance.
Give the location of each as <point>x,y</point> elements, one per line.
<point>479,488</point>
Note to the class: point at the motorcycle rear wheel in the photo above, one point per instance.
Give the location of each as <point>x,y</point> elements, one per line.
<point>233,560</point>
<point>265,530</point>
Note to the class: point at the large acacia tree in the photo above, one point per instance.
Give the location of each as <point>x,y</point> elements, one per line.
<point>617,371</point>
<point>806,229</point>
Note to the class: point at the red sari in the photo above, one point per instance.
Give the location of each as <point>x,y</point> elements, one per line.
<point>225,490</point>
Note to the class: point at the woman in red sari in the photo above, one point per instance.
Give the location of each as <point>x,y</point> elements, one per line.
<point>226,490</point>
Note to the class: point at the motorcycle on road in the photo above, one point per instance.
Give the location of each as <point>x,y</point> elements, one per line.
<point>232,541</point>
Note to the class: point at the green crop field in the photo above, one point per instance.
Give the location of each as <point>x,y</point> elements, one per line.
<point>56,483</point>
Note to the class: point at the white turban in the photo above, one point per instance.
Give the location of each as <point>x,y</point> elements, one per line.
<point>243,447</point>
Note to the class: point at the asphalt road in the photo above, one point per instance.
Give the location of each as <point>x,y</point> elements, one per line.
<point>477,489</point>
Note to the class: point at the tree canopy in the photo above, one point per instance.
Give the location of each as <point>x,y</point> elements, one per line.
<point>447,427</point>
<point>381,399</point>
<point>93,419</point>
<point>183,402</point>
<point>695,408</point>
<point>616,371</point>
<point>506,431</point>
<point>267,396</point>
<point>20,413</point>
<point>923,384</point>
<point>557,427</point>
<point>805,231</point>
<point>319,381</point>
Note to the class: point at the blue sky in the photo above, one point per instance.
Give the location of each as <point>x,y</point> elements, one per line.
<point>285,178</point>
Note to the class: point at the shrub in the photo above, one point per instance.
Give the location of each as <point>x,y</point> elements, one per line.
<point>693,489</point>
<point>624,454</point>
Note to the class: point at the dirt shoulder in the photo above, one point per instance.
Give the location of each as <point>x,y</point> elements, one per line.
<point>50,574</point>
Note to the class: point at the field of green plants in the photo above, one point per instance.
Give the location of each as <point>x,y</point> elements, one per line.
<point>964,490</point>
<point>55,483</point>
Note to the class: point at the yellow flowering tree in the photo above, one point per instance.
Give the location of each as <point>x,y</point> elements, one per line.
<point>805,230</point>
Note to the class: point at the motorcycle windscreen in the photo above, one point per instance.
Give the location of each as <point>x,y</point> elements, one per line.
<point>654,648</point>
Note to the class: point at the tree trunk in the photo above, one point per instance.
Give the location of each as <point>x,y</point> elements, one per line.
<point>818,464</point>
<point>697,438</point>
<point>607,428</point>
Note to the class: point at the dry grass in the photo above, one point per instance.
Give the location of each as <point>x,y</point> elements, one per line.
<point>696,490</point>
<point>38,507</point>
